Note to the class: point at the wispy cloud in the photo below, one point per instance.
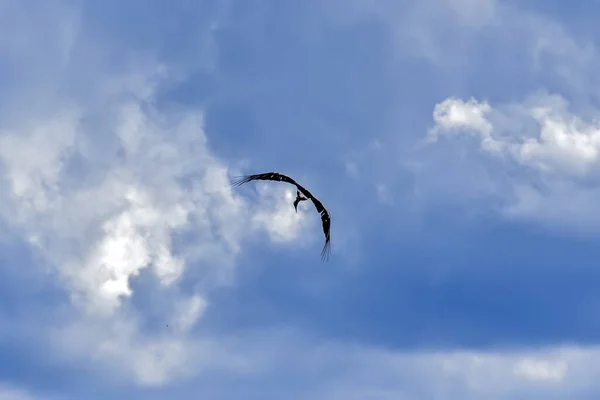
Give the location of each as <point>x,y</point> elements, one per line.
<point>8,393</point>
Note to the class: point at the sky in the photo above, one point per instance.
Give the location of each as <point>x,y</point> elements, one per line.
<point>456,144</point>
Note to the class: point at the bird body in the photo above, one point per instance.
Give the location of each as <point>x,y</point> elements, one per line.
<point>302,194</point>
<point>299,198</point>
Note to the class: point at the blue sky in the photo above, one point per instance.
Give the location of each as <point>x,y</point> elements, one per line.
<point>455,142</point>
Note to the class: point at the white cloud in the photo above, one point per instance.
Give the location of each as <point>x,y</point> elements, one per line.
<point>107,186</point>
<point>545,160</point>
<point>119,348</point>
<point>455,115</point>
<point>565,143</point>
<point>281,224</point>
<point>541,370</point>
<point>188,312</point>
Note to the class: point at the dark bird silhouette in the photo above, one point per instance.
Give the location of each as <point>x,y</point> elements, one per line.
<point>301,195</point>
<point>299,198</point>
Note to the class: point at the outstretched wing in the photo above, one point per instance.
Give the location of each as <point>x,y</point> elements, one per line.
<point>276,176</point>
<point>268,176</point>
<point>326,220</point>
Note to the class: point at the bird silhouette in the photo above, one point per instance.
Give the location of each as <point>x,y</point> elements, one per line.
<point>301,195</point>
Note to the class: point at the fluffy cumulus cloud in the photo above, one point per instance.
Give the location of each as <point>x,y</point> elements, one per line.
<point>142,191</point>
<point>551,153</point>
<point>105,186</point>
<point>560,143</point>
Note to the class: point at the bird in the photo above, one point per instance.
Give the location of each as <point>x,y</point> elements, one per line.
<point>301,195</point>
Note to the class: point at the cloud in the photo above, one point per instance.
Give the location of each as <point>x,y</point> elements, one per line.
<point>281,224</point>
<point>554,372</point>
<point>342,370</point>
<point>455,115</point>
<point>565,144</point>
<point>107,187</point>
<point>541,370</point>
<point>544,159</point>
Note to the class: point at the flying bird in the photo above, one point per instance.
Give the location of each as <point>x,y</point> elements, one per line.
<point>301,195</point>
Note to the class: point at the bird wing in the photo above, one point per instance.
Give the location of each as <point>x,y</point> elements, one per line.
<point>326,221</point>
<point>268,176</point>
<point>276,176</point>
